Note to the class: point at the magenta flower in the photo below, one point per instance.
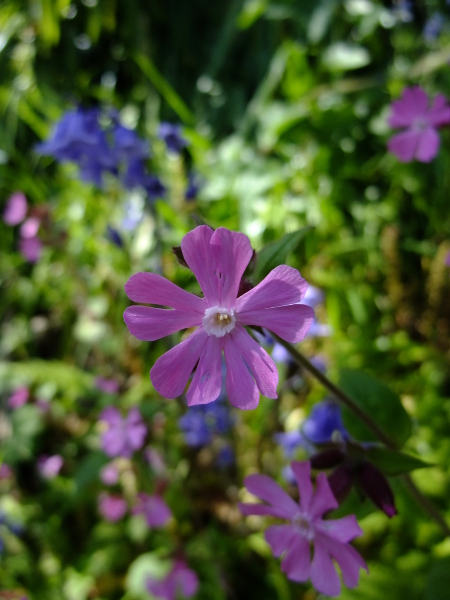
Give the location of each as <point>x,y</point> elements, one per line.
<point>154,508</point>
<point>50,466</point>
<point>419,139</point>
<point>122,436</point>
<point>109,475</point>
<point>218,260</point>
<point>18,398</point>
<point>109,386</point>
<point>112,508</point>
<point>15,209</point>
<point>328,537</point>
<point>30,248</point>
<point>180,582</point>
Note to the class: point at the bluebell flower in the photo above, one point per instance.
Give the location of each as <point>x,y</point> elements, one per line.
<point>290,441</point>
<point>225,457</point>
<point>171,135</point>
<point>433,27</point>
<point>201,422</point>
<point>325,418</point>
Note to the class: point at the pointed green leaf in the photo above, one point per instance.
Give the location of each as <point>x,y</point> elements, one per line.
<point>391,462</point>
<point>276,253</point>
<point>379,402</point>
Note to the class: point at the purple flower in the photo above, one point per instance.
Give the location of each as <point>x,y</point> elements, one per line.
<point>18,398</point>
<point>111,507</point>
<point>16,209</point>
<point>329,538</point>
<point>122,436</point>
<point>154,509</point>
<point>30,227</point>
<point>109,386</point>
<point>419,139</point>
<point>109,475</point>
<point>218,260</point>
<point>290,441</point>
<point>200,423</point>
<point>50,466</point>
<point>30,248</point>
<point>128,145</point>
<point>171,135</point>
<point>155,460</point>
<point>180,582</point>
<point>324,419</point>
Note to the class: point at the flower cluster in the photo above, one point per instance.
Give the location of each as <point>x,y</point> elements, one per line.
<point>80,137</point>
<point>15,213</point>
<point>329,538</point>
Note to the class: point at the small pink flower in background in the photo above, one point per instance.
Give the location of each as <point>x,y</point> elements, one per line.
<point>112,508</point>
<point>15,209</point>
<point>109,475</point>
<point>18,398</point>
<point>180,582</point>
<point>50,466</point>
<point>155,460</point>
<point>109,386</point>
<point>419,139</point>
<point>30,227</point>
<point>5,471</point>
<point>218,260</point>
<point>328,537</point>
<point>154,508</point>
<point>123,436</point>
<point>30,248</point>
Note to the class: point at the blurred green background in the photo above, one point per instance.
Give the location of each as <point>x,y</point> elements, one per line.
<point>284,106</point>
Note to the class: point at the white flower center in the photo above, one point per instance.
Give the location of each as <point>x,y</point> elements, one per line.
<point>218,321</point>
<point>420,124</point>
<point>303,524</point>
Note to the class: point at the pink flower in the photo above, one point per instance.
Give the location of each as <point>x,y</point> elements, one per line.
<point>112,508</point>
<point>15,209</point>
<point>419,139</point>
<point>122,436</point>
<point>154,508</point>
<point>18,398</point>
<point>30,248</point>
<point>218,260</point>
<point>328,537</point>
<point>109,475</point>
<point>179,582</point>
<point>50,466</point>
<point>109,386</point>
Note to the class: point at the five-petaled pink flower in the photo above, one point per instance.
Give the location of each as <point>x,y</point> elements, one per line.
<point>218,260</point>
<point>329,537</point>
<point>180,582</point>
<point>420,139</point>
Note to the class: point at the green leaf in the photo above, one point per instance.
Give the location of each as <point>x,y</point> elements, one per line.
<point>276,253</point>
<point>379,402</point>
<point>394,463</point>
<point>438,582</point>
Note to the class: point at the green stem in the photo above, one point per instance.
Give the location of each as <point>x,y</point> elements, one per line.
<point>424,502</point>
<point>337,392</point>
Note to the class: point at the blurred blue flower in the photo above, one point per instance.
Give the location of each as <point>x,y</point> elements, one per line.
<point>325,418</point>
<point>290,441</point>
<point>128,145</point>
<point>154,188</point>
<point>433,27</point>
<point>171,135</point>
<point>192,188</point>
<point>225,457</point>
<point>201,422</point>
<point>114,236</point>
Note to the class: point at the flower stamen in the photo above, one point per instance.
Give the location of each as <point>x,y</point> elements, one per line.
<point>218,321</point>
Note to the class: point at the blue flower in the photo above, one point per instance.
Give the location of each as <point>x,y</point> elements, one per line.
<point>114,236</point>
<point>192,188</point>
<point>171,135</point>
<point>128,145</point>
<point>201,422</point>
<point>225,457</point>
<point>324,419</point>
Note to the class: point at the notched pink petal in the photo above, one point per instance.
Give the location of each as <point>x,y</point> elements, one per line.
<point>197,253</point>
<point>171,371</point>
<point>207,381</point>
<point>232,252</point>
<point>280,537</point>
<point>261,510</point>
<point>289,322</point>
<point>302,473</point>
<point>323,499</point>
<point>342,530</point>
<point>151,324</point>
<point>268,490</point>
<point>323,572</point>
<point>261,365</point>
<point>282,286</point>
<point>241,387</point>
<point>404,145</point>
<point>297,561</point>
<point>151,288</point>
<point>427,145</point>
<point>412,104</point>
